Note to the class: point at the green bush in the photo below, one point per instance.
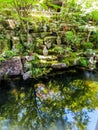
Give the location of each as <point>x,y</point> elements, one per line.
<point>86,45</point>
<point>83,62</point>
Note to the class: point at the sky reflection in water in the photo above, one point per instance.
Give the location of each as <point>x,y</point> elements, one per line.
<point>61,102</point>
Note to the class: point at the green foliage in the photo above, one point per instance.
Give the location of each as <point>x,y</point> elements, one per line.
<point>95,15</point>
<point>8,54</point>
<point>69,36</point>
<point>36,68</point>
<point>78,27</point>
<point>87,45</point>
<point>94,38</point>
<point>58,50</point>
<point>19,48</point>
<point>51,4</point>
<point>39,71</point>
<point>2,59</point>
<point>83,62</point>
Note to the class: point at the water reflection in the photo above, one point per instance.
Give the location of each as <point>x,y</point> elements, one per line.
<point>54,103</point>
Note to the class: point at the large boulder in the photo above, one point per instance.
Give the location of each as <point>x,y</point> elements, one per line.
<point>11,67</point>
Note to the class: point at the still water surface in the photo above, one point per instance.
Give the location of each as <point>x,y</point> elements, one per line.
<point>61,102</point>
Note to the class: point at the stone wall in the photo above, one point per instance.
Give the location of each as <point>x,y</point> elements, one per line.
<point>42,44</point>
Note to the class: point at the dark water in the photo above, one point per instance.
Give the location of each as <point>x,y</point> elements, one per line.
<point>60,102</point>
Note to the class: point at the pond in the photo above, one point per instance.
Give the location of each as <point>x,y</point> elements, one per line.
<point>55,102</point>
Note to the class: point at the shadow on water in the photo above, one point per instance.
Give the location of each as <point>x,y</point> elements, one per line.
<point>60,102</point>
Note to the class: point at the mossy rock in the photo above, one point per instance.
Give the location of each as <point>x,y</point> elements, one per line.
<point>68,61</point>
<point>35,35</point>
<point>9,24</point>
<point>50,38</point>
<point>58,50</point>
<point>71,58</point>
<point>15,40</point>
<point>49,41</point>
<point>45,34</point>
<point>39,43</point>
<point>34,27</point>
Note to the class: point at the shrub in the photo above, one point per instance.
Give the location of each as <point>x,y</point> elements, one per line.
<point>87,45</point>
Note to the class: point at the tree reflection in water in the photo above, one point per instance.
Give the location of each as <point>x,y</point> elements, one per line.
<point>54,103</point>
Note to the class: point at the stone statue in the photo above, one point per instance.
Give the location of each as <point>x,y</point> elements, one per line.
<point>45,51</point>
